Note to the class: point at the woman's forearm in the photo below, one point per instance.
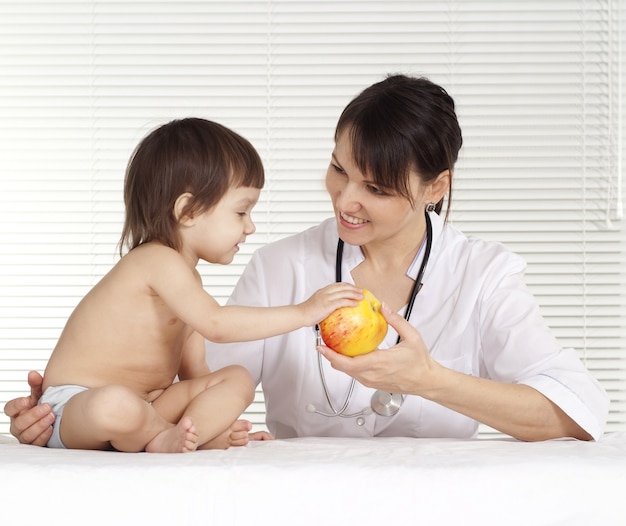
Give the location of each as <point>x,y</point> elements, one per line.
<point>515,409</point>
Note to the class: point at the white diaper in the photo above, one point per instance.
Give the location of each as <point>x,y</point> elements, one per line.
<point>57,397</point>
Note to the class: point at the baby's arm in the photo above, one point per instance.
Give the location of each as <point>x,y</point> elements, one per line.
<point>237,323</point>
<point>181,289</point>
<point>193,361</point>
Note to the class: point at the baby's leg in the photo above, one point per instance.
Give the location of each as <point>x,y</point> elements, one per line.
<point>213,402</point>
<point>180,438</point>
<point>236,435</point>
<point>114,416</point>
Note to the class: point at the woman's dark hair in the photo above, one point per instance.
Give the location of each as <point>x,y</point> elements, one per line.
<point>191,155</point>
<point>401,124</point>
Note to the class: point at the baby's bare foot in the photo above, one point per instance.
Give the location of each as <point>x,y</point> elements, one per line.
<point>181,438</point>
<point>235,435</point>
<point>221,441</point>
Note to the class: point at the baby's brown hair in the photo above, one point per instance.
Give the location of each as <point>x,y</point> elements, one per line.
<point>191,155</point>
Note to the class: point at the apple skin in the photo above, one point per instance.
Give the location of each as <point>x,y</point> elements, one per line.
<point>355,330</point>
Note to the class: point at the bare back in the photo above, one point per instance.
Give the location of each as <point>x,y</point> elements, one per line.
<point>121,332</point>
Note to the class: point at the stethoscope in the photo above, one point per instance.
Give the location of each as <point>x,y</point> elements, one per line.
<point>382,403</point>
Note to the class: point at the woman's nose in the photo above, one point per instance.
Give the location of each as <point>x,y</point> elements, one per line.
<point>348,197</point>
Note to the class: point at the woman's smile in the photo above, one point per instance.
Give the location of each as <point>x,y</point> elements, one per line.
<point>356,221</point>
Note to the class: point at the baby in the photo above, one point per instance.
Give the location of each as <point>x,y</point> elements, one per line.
<point>189,191</point>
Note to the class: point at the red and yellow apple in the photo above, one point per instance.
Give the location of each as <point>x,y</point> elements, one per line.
<point>355,330</point>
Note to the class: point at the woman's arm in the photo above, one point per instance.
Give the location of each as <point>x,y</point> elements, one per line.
<point>30,423</point>
<point>515,409</point>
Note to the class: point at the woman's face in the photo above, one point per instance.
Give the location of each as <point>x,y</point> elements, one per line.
<point>366,213</point>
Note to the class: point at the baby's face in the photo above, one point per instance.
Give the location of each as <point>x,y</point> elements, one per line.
<point>218,232</point>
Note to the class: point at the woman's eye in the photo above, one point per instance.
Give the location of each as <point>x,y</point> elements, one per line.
<point>337,168</point>
<point>377,191</point>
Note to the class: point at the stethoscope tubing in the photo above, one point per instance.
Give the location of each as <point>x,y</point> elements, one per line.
<point>384,411</point>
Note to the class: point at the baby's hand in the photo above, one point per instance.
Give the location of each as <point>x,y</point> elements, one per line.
<point>329,299</point>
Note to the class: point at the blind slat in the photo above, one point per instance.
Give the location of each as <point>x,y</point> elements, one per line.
<point>539,92</point>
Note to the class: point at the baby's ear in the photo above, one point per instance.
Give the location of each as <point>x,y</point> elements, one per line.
<point>182,201</point>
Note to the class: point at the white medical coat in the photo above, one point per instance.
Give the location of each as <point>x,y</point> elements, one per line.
<point>475,315</point>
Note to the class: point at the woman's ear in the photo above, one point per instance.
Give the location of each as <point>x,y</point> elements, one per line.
<point>180,205</point>
<point>438,189</point>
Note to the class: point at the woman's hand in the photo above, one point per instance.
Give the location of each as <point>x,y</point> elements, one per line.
<point>406,368</point>
<point>30,423</point>
<point>261,435</point>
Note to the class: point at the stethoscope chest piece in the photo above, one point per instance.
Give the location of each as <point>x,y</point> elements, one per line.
<point>386,404</point>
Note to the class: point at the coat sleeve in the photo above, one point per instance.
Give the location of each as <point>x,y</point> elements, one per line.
<point>519,347</point>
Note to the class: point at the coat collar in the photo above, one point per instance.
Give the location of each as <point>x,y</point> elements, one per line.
<point>353,255</point>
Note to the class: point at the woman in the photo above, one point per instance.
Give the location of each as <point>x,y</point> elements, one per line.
<point>475,347</point>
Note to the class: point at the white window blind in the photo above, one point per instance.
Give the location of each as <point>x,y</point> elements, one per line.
<point>540,92</point>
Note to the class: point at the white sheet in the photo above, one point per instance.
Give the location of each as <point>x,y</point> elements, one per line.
<point>322,482</point>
